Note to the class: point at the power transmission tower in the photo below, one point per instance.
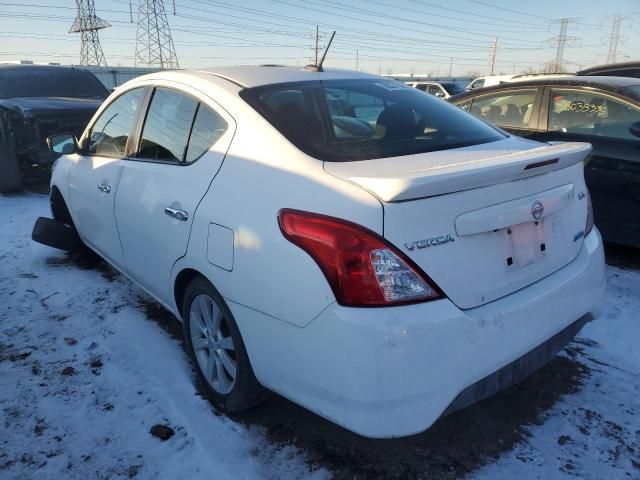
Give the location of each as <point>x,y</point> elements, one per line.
<point>316,47</point>
<point>87,23</point>
<point>614,38</point>
<point>493,55</point>
<point>154,45</point>
<point>561,41</point>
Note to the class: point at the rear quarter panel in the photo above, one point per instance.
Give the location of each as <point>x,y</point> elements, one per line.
<point>262,174</point>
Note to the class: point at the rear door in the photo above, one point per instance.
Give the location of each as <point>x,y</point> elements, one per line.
<point>93,178</point>
<point>182,144</point>
<point>613,170</point>
<point>515,110</point>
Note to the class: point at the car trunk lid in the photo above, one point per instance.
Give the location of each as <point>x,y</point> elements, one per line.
<point>485,223</point>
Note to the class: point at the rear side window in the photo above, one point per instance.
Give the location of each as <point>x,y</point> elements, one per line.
<point>346,120</point>
<point>167,126</point>
<point>512,109</point>
<point>590,113</point>
<point>208,127</point>
<point>110,132</point>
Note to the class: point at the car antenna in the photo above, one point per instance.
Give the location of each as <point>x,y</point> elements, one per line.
<point>318,67</point>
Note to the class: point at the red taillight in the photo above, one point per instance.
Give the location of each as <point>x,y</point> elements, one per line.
<point>589,226</point>
<point>360,266</point>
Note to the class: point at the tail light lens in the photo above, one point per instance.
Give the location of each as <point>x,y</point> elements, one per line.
<point>589,226</point>
<point>362,269</point>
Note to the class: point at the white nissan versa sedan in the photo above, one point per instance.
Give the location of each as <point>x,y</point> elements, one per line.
<point>370,252</point>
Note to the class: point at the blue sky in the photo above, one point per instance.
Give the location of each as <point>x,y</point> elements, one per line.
<point>380,36</point>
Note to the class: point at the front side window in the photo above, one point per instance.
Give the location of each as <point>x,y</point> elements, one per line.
<point>167,126</point>
<point>346,120</point>
<point>590,113</point>
<point>511,109</point>
<point>110,132</point>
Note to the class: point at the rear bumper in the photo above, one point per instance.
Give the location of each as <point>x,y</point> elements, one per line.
<point>393,371</point>
<point>519,369</point>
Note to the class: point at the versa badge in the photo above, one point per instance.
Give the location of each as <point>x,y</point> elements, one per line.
<point>429,242</point>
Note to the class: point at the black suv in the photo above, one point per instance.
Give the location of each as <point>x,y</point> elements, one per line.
<point>604,111</point>
<point>37,101</point>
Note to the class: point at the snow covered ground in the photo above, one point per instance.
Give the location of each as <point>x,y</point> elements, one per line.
<point>88,364</point>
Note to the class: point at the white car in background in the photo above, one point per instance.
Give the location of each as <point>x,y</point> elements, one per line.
<point>492,80</point>
<point>488,81</point>
<point>440,89</point>
<point>365,250</point>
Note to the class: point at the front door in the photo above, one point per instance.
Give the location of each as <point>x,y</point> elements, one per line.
<point>182,145</point>
<point>93,179</point>
<point>612,172</point>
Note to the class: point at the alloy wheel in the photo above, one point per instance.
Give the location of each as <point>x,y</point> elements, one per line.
<point>212,343</point>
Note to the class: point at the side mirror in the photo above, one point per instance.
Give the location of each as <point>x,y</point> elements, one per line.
<point>62,144</point>
<point>635,129</point>
<point>439,94</point>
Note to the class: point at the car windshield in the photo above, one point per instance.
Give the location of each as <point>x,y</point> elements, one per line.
<point>453,88</point>
<point>49,82</point>
<point>347,120</point>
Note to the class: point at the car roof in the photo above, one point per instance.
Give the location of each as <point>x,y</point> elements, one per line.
<point>428,82</point>
<point>613,84</point>
<point>608,67</point>
<point>257,75</point>
<point>22,66</point>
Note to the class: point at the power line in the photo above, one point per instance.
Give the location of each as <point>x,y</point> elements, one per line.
<point>457,18</point>
<point>462,12</point>
<point>378,14</point>
<point>519,12</point>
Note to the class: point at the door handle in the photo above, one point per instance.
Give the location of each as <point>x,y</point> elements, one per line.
<point>177,213</point>
<point>103,187</point>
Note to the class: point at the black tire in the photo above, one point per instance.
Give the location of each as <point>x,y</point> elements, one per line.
<point>10,175</point>
<point>246,392</point>
<point>57,235</point>
<point>59,208</point>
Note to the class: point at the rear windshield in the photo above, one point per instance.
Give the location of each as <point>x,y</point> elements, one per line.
<point>49,82</point>
<point>346,120</point>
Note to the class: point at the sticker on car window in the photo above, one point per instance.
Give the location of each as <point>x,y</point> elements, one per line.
<point>586,107</point>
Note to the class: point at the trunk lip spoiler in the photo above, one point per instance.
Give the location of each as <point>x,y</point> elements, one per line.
<point>409,178</point>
